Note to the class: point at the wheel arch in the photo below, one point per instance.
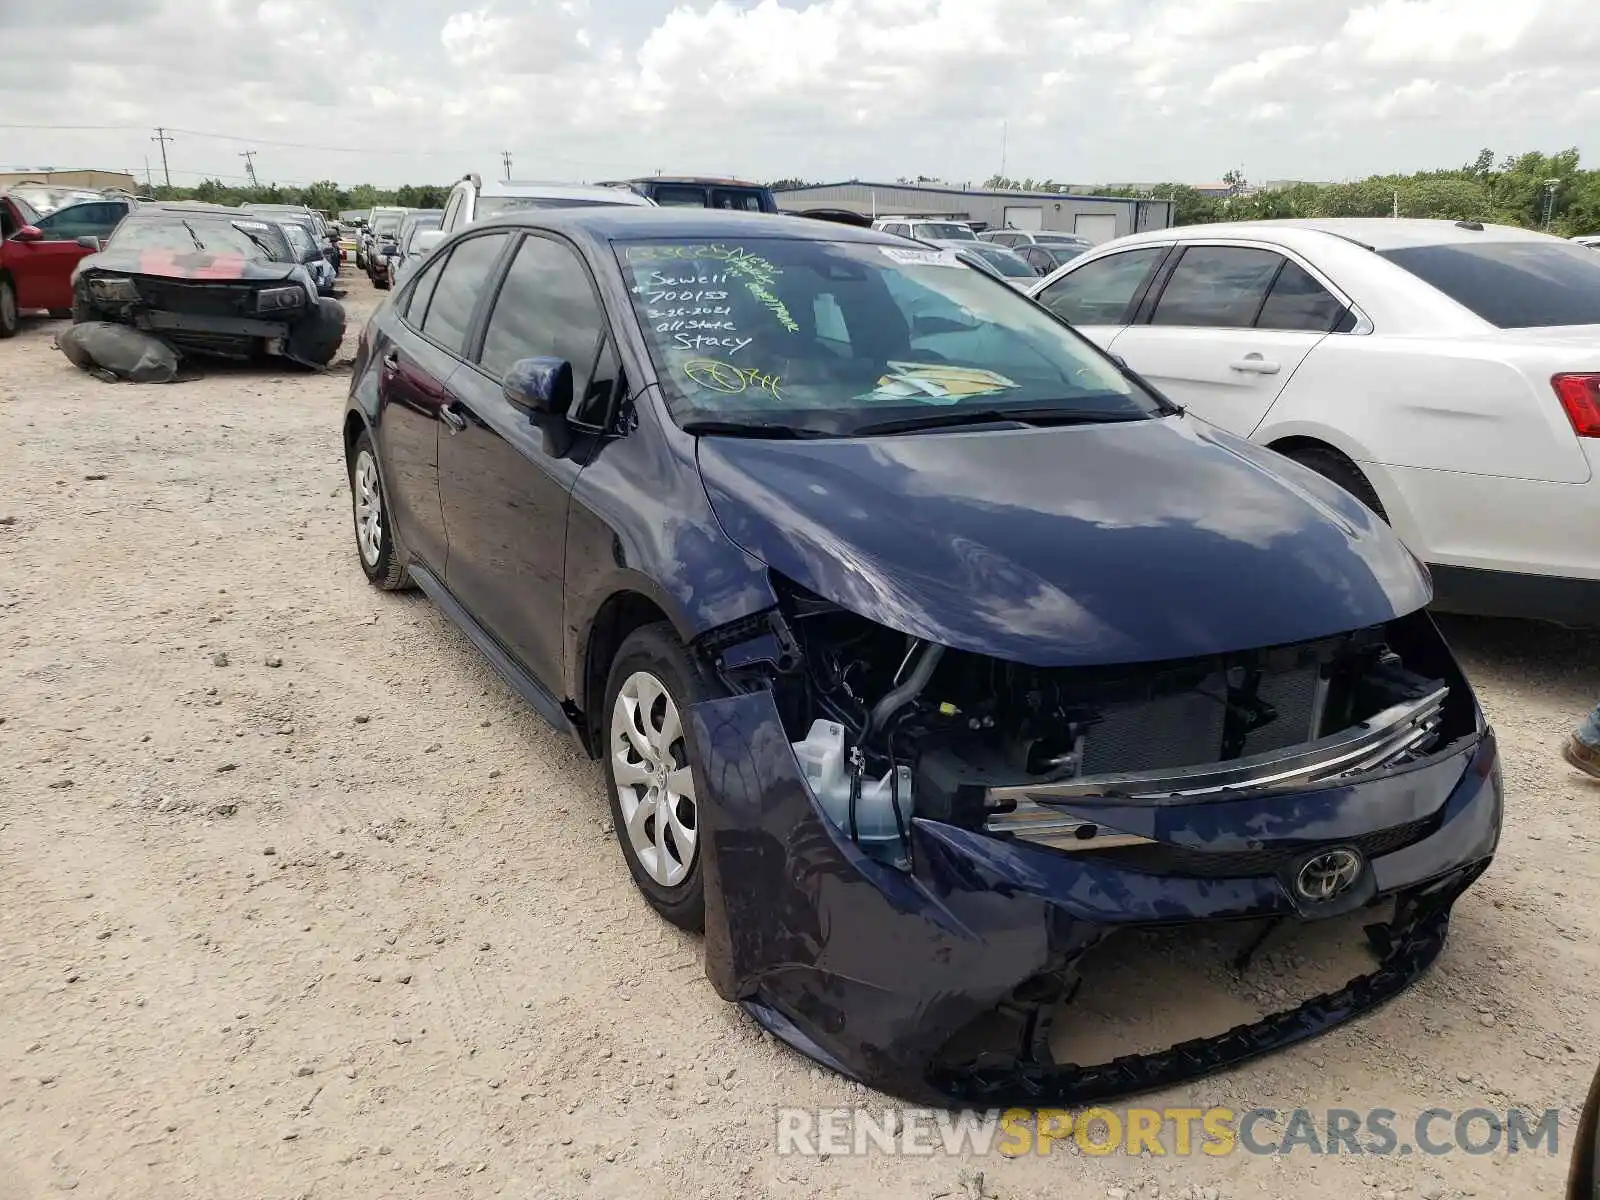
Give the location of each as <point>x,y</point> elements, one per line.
<point>355,424</point>
<point>1287,440</point>
<point>622,612</point>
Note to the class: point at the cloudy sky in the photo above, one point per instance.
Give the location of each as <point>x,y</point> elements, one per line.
<point>393,91</point>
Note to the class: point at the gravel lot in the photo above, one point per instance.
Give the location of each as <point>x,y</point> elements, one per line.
<point>296,900</point>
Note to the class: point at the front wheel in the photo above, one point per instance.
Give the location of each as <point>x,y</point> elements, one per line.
<point>648,765</point>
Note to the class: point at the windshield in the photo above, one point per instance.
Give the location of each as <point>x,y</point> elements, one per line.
<point>936,230</point>
<point>421,225</point>
<point>386,222</point>
<point>1002,260</point>
<point>25,211</point>
<point>830,337</point>
<point>46,200</point>
<point>196,234</point>
<point>1515,285</point>
<point>300,241</point>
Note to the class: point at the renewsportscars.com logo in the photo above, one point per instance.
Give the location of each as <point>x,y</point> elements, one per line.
<point>1162,1132</point>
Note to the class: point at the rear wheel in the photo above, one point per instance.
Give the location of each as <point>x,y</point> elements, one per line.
<point>8,309</point>
<point>374,536</point>
<point>1333,466</point>
<point>654,808</point>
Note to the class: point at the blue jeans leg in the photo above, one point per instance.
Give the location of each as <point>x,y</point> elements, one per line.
<point>1589,732</point>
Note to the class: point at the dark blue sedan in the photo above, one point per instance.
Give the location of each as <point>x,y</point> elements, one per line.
<point>924,646</point>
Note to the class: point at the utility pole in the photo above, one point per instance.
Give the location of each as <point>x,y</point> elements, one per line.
<point>249,157</point>
<point>1005,129</point>
<point>161,136</point>
<point>1550,186</point>
<point>505,157</point>
<point>149,185</point>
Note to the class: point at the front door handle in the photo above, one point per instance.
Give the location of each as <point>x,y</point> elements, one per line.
<point>391,361</point>
<point>1254,364</point>
<point>452,417</point>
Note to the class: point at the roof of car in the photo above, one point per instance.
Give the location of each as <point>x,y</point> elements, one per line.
<point>708,180</point>
<point>624,222</point>
<point>190,208</point>
<point>1376,233</point>
<point>561,191</point>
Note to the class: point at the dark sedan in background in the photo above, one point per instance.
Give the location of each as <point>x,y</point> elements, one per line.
<point>924,648</point>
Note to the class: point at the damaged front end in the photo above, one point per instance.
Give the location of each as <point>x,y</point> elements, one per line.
<point>909,849</point>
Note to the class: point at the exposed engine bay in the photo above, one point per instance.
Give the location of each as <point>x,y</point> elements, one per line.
<point>887,727</point>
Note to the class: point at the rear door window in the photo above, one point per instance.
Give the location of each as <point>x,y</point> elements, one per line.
<point>1219,287</point>
<point>463,280</point>
<point>1102,292</point>
<point>738,199</point>
<point>1299,302</point>
<point>1514,285</point>
<point>679,195</point>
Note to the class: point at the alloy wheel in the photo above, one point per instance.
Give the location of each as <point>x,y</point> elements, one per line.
<point>655,788</point>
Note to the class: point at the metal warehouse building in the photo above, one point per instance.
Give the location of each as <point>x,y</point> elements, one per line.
<point>1098,218</point>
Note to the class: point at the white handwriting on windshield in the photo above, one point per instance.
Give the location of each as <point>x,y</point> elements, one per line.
<point>686,295</point>
<point>700,341</point>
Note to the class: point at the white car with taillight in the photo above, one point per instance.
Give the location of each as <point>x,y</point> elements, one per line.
<point>1447,373</point>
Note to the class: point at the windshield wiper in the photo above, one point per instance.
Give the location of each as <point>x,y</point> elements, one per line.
<point>271,253</point>
<point>950,418</point>
<point>193,236</point>
<point>750,429</point>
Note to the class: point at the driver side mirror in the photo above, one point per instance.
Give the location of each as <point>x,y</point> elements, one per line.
<point>542,388</point>
<point>89,242</point>
<point>425,241</point>
<point>28,233</point>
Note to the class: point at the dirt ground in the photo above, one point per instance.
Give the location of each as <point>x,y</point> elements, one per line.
<point>297,900</point>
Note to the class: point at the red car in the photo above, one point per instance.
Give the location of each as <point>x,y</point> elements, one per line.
<point>38,253</point>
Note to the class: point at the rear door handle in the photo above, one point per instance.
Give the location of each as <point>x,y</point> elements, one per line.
<point>452,416</point>
<point>1254,364</point>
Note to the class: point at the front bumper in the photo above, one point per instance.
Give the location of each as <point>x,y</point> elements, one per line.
<point>874,971</point>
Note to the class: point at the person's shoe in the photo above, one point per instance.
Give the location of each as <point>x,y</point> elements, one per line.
<point>1585,757</point>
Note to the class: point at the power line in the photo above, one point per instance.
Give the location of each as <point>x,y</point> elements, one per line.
<point>161,136</point>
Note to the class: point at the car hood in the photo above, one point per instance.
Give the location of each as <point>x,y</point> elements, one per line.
<point>1066,546</point>
<point>193,264</point>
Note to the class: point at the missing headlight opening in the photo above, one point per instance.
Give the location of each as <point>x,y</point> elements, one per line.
<point>887,727</point>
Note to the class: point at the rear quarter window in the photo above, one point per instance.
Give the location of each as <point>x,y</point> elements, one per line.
<point>1513,285</point>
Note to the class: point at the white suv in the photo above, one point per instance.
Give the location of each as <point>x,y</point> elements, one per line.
<point>473,200</point>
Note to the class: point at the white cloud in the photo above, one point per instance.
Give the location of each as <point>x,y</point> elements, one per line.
<point>1096,91</point>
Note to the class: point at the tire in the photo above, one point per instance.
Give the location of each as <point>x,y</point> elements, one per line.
<point>9,318</point>
<point>1335,467</point>
<point>318,337</point>
<point>369,509</point>
<point>380,280</point>
<point>651,672</point>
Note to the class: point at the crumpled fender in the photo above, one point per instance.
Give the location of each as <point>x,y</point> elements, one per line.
<point>872,971</point>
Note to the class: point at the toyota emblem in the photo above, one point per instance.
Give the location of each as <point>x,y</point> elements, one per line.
<point>1328,875</point>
